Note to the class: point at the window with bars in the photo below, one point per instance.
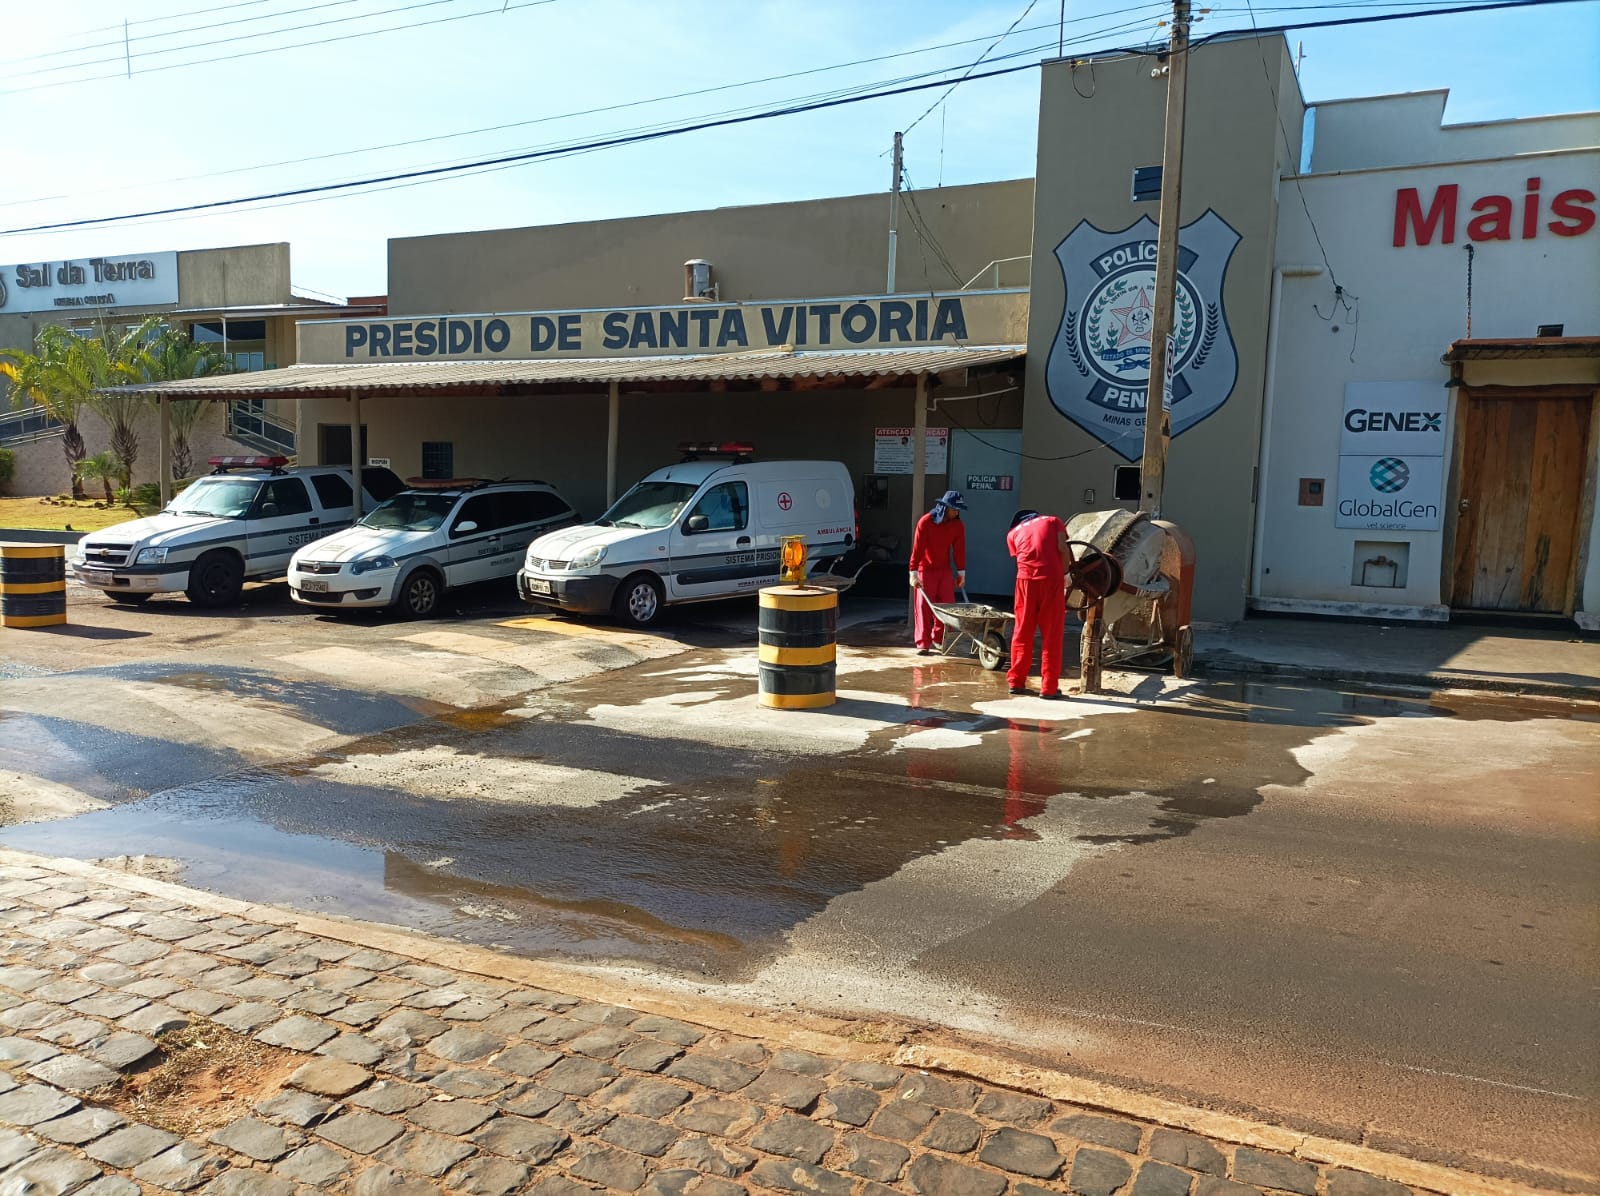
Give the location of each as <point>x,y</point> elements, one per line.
<point>438,459</point>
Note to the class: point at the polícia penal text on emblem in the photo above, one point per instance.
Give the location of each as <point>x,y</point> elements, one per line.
<point>1098,370</point>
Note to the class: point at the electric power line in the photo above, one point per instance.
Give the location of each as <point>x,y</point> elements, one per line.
<point>974,66</point>
<point>1149,4</point>
<point>697,126</point>
<point>1288,147</point>
<point>128,37</point>
<point>323,41</point>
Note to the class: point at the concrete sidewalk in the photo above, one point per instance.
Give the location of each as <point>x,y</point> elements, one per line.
<point>1557,663</point>
<point>356,1063</point>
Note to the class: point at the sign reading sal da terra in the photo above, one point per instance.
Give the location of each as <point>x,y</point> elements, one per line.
<point>867,322</point>
<point>1391,456</point>
<point>146,280</point>
<point>1098,371</point>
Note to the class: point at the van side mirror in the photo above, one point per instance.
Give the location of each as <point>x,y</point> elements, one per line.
<point>465,526</point>
<point>697,523</point>
<point>269,510</point>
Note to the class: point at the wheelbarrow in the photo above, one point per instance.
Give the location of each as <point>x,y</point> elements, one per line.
<point>986,629</point>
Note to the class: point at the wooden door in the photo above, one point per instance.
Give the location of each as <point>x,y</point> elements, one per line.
<point>1522,466</point>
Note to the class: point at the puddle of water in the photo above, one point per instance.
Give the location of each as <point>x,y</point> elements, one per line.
<point>343,711</point>
<point>105,764</point>
<point>697,844</point>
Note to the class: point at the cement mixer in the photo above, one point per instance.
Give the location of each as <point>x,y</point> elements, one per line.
<point>1142,569</point>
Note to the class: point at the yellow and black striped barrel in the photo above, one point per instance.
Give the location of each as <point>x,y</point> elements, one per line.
<point>798,629</point>
<point>33,585</point>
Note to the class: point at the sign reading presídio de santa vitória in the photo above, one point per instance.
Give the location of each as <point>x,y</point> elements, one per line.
<point>1098,371</point>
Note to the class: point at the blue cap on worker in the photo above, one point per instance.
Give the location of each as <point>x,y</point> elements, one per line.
<point>1023,516</point>
<point>951,500</point>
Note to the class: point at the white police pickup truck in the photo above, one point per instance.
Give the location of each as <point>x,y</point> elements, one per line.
<point>240,523</point>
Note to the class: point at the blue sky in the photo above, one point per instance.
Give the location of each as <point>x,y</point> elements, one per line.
<point>79,146</point>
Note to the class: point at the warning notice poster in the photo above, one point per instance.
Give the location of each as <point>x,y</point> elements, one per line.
<point>894,450</point>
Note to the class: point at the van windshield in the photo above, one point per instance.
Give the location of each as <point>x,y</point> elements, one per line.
<point>649,504</point>
<point>411,512</point>
<point>219,498</point>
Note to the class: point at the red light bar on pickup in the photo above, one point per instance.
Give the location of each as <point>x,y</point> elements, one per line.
<point>721,448</point>
<point>247,462</point>
<point>445,483</point>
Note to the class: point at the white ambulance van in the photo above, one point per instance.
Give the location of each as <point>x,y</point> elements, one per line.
<point>711,526</point>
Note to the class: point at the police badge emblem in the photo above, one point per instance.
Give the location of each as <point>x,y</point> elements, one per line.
<point>1098,370</point>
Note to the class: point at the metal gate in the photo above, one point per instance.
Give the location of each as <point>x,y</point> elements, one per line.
<point>986,466</point>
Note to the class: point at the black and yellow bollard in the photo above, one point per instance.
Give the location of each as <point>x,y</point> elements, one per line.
<point>33,585</point>
<point>798,628</point>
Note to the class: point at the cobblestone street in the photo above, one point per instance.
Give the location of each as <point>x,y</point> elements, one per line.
<point>411,1078</point>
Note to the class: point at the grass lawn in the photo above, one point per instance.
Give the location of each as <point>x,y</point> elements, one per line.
<point>33,515</point>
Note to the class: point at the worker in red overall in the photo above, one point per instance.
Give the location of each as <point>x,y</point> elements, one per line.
<point>940,537</point>
<point>1039,542</point>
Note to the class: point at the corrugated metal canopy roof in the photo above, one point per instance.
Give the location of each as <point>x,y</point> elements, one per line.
<point>378,378</point>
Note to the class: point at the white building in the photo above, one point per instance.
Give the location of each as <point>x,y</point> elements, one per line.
<point>1429,443</point>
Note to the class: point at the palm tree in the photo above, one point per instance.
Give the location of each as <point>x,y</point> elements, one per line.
<point>121,361</point>
<point>167,355</point>
<point>48,377</point>
<point>104,468</point>
<point>70,370</point>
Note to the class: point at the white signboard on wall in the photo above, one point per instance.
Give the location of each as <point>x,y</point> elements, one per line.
<point>894,450</point>
<point>1394,417</point>
<point>1390,493</point>
<point>142,280</point>
<point>1391,456</point>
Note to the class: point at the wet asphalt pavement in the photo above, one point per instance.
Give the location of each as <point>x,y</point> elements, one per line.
<point>1373,916</point>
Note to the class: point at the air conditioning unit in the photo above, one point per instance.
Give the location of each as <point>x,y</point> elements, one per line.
<point>698,286</point>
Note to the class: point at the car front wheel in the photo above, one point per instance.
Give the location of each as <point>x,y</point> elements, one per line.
<point>639,600</point>
<point>217,579</point>
<point>419,595</point>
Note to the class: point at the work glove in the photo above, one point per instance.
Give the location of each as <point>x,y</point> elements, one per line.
<point>916,580</point>
<point>961,579</point>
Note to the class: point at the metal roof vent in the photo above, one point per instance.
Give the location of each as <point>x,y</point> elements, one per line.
<point>697,283</point>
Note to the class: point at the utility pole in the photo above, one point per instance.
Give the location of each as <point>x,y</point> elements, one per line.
<point>894,210</point>
<point>1158,400</point>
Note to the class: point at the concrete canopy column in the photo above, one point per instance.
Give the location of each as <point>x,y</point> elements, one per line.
<point>164,450</point>
<point>356,455</point>
<point>613,413</point>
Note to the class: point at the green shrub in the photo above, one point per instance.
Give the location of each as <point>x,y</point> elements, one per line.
<point>8,466</point>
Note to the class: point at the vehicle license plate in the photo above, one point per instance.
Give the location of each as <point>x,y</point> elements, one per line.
<point>94,577</point>
<point>313,585</point>
<point>538,585</point>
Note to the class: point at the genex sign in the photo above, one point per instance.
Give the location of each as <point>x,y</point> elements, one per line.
<point>1391,456</point>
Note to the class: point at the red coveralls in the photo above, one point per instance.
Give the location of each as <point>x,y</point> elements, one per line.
<point>931,549</point>
<point>1041,603</point>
